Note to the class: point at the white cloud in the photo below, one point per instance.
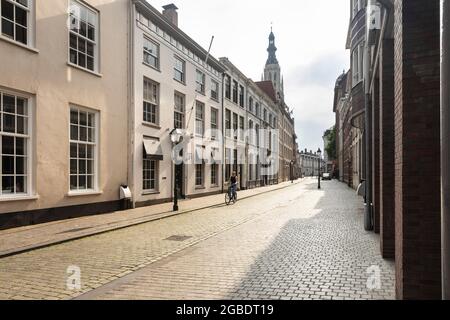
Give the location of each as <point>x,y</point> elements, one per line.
<point>310,36</point>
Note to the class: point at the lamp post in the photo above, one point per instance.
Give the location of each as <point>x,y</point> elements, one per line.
<point>319,154</point>
<point>176,137</point>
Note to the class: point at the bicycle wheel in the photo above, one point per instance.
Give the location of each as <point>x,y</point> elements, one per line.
<point>227,199</point>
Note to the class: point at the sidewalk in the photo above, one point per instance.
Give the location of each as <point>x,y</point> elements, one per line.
<point>18,240</point>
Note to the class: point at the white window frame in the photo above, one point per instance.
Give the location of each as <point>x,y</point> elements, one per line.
<point>95,144</point>
<point>182,112</point>
<point>156,179</point>
<point>182,72</point>
<point>96,42</point>
<point>215,172</point>
<point>358,64</point>
<point>155,56</point>
<point>214,90</point>
<point>201,120</point>
<point>29,147</point>
<point>200,83</point>
<point>202,166</point>
<point>154,103</point>
<point>30,28</point>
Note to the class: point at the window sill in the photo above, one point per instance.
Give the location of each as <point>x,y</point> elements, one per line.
<point>200,188</point>
<point>150,193</point>
<point>151,67</point>
<point>21,45</point>
<point>73,194</point>
<point>215,186</point>
<point>85,70</point>
<point>18,198</point>
<point>200,92</point>
<point>151,125</point>
<point>182,82</point>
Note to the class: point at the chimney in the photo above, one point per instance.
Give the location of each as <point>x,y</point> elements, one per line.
<point>170,13</point>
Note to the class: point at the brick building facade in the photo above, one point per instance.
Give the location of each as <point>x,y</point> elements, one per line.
<point>402,84</point>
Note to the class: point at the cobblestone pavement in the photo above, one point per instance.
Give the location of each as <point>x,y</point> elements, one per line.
<point>295,243</point>
<point>22,239</point>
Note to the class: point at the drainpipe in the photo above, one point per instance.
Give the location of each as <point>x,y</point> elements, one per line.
<point>222,98</point>
<point>445,146</point>
<point>368,216</point>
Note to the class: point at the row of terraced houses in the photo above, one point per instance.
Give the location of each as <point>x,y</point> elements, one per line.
<point>91,92</point>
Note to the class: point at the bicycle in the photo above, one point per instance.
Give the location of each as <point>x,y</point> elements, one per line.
<point>230,196</point>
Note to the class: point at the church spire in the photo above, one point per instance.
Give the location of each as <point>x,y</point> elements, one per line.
<point>272,49</point>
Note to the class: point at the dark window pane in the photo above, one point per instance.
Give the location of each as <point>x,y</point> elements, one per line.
<point>73,41</point>
<point>83,28</point>
<point>91,119</point>
<point>9,123</point>
<point>7,10</point>
<point>83,134</point>
<point>83,118</point>
<point>73,132</point>
<point>7,28</point>
<point>21,184</point>
<point>7,165</point>
<point>21,165</point>
<point>91,32</point>
<point>7,145</point>
<point>82,151</point>
<point>89,182</point>
<point>81,45</point>
<point>21,125</point>
<point>73,166</point>
<point>82,182</point>
<point>73,57</point>
<point>90,63</point>
<point>74,116</point>
<point>90,152</point>
<point>7,184</point>
<point>73,150</point>
<point>73,182</point>
<point>90,167</point>
<point>21,16</point>
<point>81,60</point>
<point>90,49</point>
<point>22,106</point>
<point>20,146</point>
<point>82,166</point>
<point>9,104</point>
<point>90,134</point>
<point>23,2</point>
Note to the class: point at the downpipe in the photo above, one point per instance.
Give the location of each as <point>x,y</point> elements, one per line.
<point>368,214</point>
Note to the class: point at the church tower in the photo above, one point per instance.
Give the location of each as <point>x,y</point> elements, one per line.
<point>272,71</point>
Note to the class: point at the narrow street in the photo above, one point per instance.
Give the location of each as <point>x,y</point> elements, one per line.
<point>294,243</point>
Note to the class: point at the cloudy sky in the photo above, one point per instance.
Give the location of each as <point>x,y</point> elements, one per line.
<point>310,37</point>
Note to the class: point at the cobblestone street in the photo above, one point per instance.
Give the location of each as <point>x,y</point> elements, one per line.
<point>292,243</point>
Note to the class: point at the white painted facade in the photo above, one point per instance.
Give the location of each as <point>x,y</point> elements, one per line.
<point>170,44</point>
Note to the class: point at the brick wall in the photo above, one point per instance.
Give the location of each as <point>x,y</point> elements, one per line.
<point>376,155</point>
<point>417,149</point>
<point>386,200</point>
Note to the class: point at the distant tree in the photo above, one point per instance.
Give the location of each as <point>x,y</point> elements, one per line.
<point>331,147</point>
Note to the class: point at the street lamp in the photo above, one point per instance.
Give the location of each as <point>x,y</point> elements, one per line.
<point>176,136</point>
<point>319,153</point>
<point>292,171</point>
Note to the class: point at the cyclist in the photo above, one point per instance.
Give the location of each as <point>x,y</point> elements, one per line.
<point>233,186</point>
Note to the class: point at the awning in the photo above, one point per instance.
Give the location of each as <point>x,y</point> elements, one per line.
<point>153,150</point>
